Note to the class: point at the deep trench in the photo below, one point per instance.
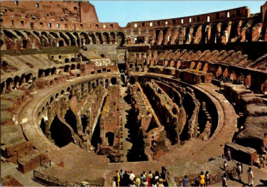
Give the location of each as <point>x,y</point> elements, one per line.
<point>137,151</point>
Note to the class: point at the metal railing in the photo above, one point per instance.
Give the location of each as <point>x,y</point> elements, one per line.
<point>52,181</point>
<point>214,178</point>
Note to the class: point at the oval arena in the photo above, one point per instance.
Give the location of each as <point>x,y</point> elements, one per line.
<point>81,99</point>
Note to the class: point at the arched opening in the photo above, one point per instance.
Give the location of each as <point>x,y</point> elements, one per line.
<point>113,81</point>
<point>92,36</point>
<point>72,59</point>
<point>67,60</point>
<point>77,38</point>
<point>70,118</point>
<point>42,125</point>
<point>120,39</point>
<point>105,38</point>
<point>84,38</point>
<point>132,80</point>
<point>66,68</point>
<point>84,120</point>
<point>60,133</point>
<point>72,39</point>
<point>60,43</point>
<point>112,37</point>
<point>106,83</point>
<point>64,38</point>
<point>98,38</point>
<point>110,136</point>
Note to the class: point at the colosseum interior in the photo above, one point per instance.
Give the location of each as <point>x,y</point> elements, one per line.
<point>81,99</point>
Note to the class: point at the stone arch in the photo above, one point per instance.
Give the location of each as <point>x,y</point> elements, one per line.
<point>84,38</point>
<point>16,80</point>
<point>56,129</point>
<point>248,80</point>
<point>192,65</point>
<point>112,37</point>
<point>56,95</point>
<point>219,72</point>
<point>264,87</point>
<point>67,60</point>
<point>72,38</point>
<point>199,65</point>
<point>44,39</point>
<point>72,66</point>
<point>178,64</point>
<point>65,38</point>
<point>9,83</point>
<point>132,80</point>
<point>78,39</point>
<point>92,38</point>
<point>113,80</point>
<point>11,34</point>
<point>166,63</point>
<point>213,33</point>
<point>120,38</point>
<point>98,37</point>
<point>22,80</point>
<point>233,76</point>
<point>159,37</point>
<point>26,41</point>
<point>51,99</point>
<point>234,31</point>
<point>106,39</point>
<point>206,67</point>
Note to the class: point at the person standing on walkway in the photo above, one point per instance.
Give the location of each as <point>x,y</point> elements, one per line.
<point>202,179</point>
<point>228,154</point>
<point>262,161</point>
<point>224,165</point>
<point>118,178</point>
<point>250,177</point>
<point>224,181</point>
<point>239,171</point>
<point>207,178</point>
<point>185,181</point>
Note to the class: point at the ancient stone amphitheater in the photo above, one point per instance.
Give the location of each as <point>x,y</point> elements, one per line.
<point>81,99</point>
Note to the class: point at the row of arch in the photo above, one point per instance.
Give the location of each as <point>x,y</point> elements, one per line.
<point>35,39</point>
<point>238,31</point>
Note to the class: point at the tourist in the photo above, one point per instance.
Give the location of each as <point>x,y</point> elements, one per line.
<point>118,178</point>
<point>145,183</point>
<point>132,176</point>
<point>121,178</point>
<point>126,179</point>
<point>239,171</point>
<point>149,175</point>
<point>164,177</point>
<point>224,165</point>
<point>262,161</point>
<point>202,179</point>
<point>138,181</point>
<point>156,176</point>
<point>265,148</point>
<point>228,154</point>
<point>142,177</point>
<point>121,173</point>
<point>132,184</point>
<point>153,183</point>
<point>148,181</point>
<point>250,177</point>
<point>160,183</point>
<point>185,180</point>
<point>207,178</point>
<point>224,181</point>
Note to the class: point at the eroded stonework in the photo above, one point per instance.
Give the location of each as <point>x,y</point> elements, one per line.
<point>80,97</point>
